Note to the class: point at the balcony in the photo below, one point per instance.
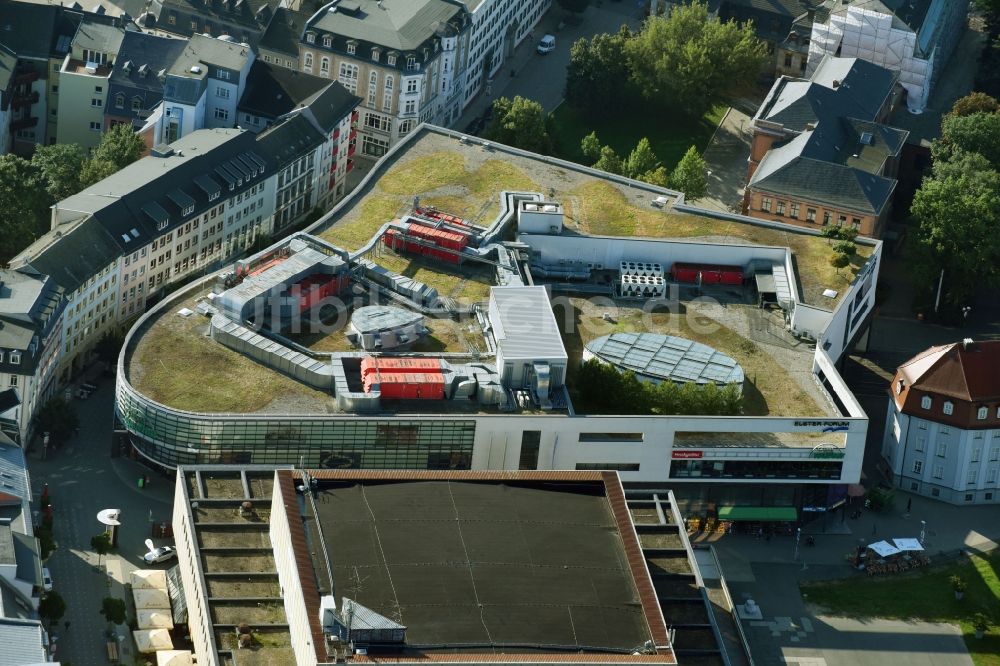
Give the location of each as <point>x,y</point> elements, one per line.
<point>21,101</point>
<point>23,123</point>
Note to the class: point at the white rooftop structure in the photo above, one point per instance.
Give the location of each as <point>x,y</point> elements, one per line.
<point>526,334</point>
<point>665,358</point>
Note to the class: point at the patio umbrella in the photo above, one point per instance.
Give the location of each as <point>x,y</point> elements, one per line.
<point>150,599</point>
<point>884,548</point>
<point>151,640</point>
<point>148,579</point>
<point>174,658</point>
<point>908,544</point>
<point>154,619</point>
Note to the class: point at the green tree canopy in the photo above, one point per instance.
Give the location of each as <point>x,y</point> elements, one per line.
<point>691,175</point>
<point>597,72</point>
<point>590,146</point>
<point>24,205</point>
<point>609,161</point>
<point>113,610</point>
<point>641,160</point>
<point>958,211</point>
<point>101,544</point>
<point>52,607</point>
<point>520,122</point>
<point>974,102</point>
<point>60,166</point>
<point>975,133</point>
<point>692,59</point>
<point>119,147</point>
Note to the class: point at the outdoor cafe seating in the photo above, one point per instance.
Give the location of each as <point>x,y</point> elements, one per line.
<point>885,557</point>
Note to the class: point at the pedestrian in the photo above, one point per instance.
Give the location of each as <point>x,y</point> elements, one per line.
<point>909,504</point>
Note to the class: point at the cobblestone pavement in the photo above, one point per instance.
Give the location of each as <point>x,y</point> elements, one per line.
<point>82,479</point>
<point>726,161</point>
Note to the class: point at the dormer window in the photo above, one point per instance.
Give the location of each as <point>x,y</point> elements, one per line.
<point>900,385</point>
<point>120,101</point>
<point>411,63</point>
<point>311,37</point>
<point>949,408</point>
<point>327,41</point>
<point>375,54</point>
<point>352,48</point>
<point>187,210</point>
<point>982,413</point>
<point>15,358</point>
<point>390,59</point>
<point>925,402</point>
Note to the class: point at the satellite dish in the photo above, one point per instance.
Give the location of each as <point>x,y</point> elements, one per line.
<point>149,544</point>
<point>109,517</point>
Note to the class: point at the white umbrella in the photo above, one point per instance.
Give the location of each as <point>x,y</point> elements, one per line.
<point>151,640</point>
<point>174,658</point>
<point>148,579</point>
<point>908,544</point>
<point>154,619</point>
<point>150,599</point>
<point>884,548</point>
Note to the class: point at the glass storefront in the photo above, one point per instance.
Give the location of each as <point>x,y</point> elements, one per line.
<point>756,469</point>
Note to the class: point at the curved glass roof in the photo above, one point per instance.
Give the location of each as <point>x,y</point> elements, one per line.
<point>666,357</point>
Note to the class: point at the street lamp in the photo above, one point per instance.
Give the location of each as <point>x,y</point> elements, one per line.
<point>923,531</point>
<point>798,535</point>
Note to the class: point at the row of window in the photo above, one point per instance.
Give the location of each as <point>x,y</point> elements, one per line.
<point>972,478</point>
<point>794,209</point>
<point>14,358</point>
<point>948,407</point>
<point>352,49</point>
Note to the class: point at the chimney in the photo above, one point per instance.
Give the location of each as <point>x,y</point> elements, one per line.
<point>836,83</point>
<point>968,344</point>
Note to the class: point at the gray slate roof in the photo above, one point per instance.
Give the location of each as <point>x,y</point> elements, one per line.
<point>273,91</point>
<point>27,306</point>
<point>22,641</point>
<point>98,36</point>
<point>403,26</point>
<point>282,33</point>
<point>145,55</point>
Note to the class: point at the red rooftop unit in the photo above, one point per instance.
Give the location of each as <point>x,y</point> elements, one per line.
<point>315,288</point>
<point>371,365</point>
<point>710,274</point>
<point>402,386</point>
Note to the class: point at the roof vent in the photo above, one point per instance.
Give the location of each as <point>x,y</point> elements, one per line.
<point>195,69</point>
<point>968,344</point>
<point>143,70</point>
<point>836,83</point>
<point>161,150</point>
<point>867,138</point>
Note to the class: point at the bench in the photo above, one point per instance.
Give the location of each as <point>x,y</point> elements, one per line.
<point>112,651</point>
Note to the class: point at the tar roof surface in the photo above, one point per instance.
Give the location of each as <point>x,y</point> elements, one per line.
<point>485,563</point>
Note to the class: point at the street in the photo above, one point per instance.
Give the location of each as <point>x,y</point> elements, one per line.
<point>82,479</point>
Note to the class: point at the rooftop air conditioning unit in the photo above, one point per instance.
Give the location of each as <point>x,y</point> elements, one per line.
<point>195,69</point>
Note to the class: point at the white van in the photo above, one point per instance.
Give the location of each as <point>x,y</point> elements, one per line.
<point>547,45</point>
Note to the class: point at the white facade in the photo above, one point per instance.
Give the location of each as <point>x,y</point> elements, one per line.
<point>942,461</point>
<point>91,311</point>
<point>497,27</point>
<point>861,30</point>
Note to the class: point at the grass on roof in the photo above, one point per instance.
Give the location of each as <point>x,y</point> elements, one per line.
<point>924,595</point>
<point>177,364</point>
<point>600,208</point>
<point>669,137</point>
<point>769,389</point>
<point>441,179</point>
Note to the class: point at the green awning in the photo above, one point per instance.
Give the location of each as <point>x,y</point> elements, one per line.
<point>759,513</point>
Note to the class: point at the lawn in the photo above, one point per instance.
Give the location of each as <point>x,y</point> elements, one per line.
<point>925,595</point>
<point>669,136</point>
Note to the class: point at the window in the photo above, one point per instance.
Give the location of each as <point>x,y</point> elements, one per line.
<point>918,466</point>
<point>378,122</point>
<point>222,114</point>
<point>935,492</point>
<point>410,108</point>
<point>120,101</point>
<point>968,497</point>
<point>765,204</point>
<point>921,443</point>
<point>617,467</point>
<point>172,19</point>
<point>222,92</point>
<point>352,48</point>
<point>95,127</point>
<point>972,476</point>
<point>781,208</point>
<point>222,75</point>
<point>307,61</point>
<point>991,475</point>
<point>949,408</point>
<point>411,63</point>
<point>938,471</point>
<point>925,402</point>
<point>982,413</point>
<point>405,126</point>
<point>856,222</point>
<point>374,147</point>
<point>388,82</point>
<point>942,449</point>
<point>811,214</point>
<point>349,76</point>
<point>795,211</point>
<point>194,26</point>
<point>988,496</point>
<point>412,86</point>
<point>311,37</point>
<point>13,380</point>
<point>788,60</point>
<point>136,103</point>
<point>327,41</point>
<point>826,218</point>
<point>15,358</point>
<point>390,59</point>
<point>97,102</point>
<point>841,220</point>
<point>324,66</point>
<point>375,54</point>
<point>995,453</point>
<point>977,453</point>
<point>530,444</point>
<point>98,89</point>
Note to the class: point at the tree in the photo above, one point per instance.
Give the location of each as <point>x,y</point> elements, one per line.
<point>24,206</point>
<point>590,146</point>
<point>119,147</point>
<point>113,610</point>
<point>846,248</point>
<point>958,211</point>
<point>598,72</point>
<point>109,345</point>
<point>830,232</point>
<point>58,418</point>
<point>641,160</point>
<point>60,166</point>
<point>690,176</point>
<point>974,102</point>
<point>839,261</point>
<point>658,176</point>
<point>575,6</point>
<point>609,161</point>
<point>520,123</point>
<point>52,607</point>
<point>693,59</point>
<point>101,544</point>
<point>976,133</point>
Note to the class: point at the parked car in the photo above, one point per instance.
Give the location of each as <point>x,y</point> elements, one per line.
<point>161,554</point>
<point>547,45</point>
<point>46,580</point>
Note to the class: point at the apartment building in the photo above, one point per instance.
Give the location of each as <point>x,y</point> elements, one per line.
<point>498,26</point>
<point>30,311</point>
<point>84,81</point>
<point>942,432</point>
<point>405,60</point>
<point>821,153</point>
<point>137,78</point>
<point>913,38</point>
<point>186,208</point>
<point>271,92</point>
<point>243,20</point>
